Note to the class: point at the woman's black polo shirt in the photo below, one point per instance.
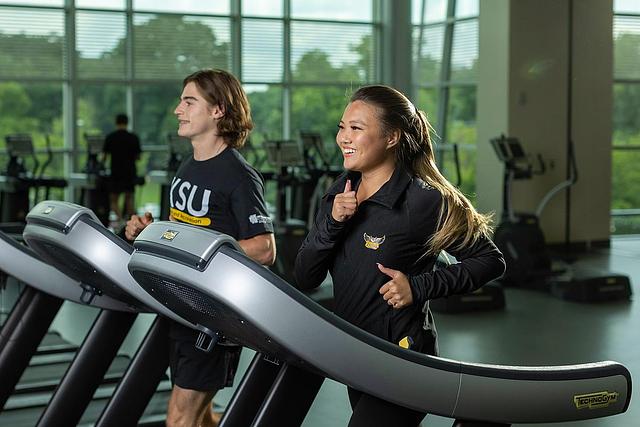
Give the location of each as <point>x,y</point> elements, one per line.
<point>392,228</point>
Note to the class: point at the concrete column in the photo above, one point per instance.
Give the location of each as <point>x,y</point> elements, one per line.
<point>523,91</point>
<point>396,44</point>
<point>592,119</point>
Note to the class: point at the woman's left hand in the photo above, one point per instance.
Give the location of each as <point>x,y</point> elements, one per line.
<point>396,292</point>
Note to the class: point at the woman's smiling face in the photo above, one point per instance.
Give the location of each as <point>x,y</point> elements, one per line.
<point>360,138</point>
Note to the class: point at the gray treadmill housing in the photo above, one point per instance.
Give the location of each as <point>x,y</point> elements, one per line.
<point>72,239</point>
<point>21,262</point>
<point>228,292</point>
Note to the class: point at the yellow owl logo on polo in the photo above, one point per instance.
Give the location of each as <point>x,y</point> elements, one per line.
<point>374,243</point>
<point>187,192</point>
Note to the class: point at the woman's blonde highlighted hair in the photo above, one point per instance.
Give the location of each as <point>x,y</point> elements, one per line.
<point>459,223</point>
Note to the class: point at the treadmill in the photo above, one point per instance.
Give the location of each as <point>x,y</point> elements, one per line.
<point>522,242</point>
<point>201,276</point>
<point>35,308</point>
<point>73,239</point>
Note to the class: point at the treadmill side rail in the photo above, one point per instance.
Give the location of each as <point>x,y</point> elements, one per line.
<point>90,254</point>
<point>252,306</point>
<point>26,266</point>
<point>63,214</point>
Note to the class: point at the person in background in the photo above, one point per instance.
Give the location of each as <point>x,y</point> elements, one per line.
<point>215,188</point>
<point>123,149</point>
<point>379,230</point>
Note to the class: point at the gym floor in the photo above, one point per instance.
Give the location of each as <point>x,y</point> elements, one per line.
<point>535,329</point>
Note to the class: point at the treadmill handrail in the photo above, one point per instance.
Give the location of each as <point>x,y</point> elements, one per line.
<point>86,238</point>
<point>497,371</point>
<point>66,214</point>
<point>241,287</point>
<point>24,264</point>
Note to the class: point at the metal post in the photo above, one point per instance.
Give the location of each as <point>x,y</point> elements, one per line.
<point>76,389</point>
<point>140,381</point>
<point>20,336</point>
<point>290,398</point>
<point>251,391</point>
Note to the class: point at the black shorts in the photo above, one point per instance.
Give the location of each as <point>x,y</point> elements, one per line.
<point>121,184</point>
<point>195,369</point>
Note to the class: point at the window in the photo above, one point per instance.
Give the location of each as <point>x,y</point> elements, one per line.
<point>266,111</point>
<point>262,50</point>
<point>297,60</point>
<point>32,43</point>
<point>153,107</point>
<point>625,203</point>
<point>101,4</point>
<point>34,2</point>
<point>445,56</point>
<point>265,8</point>
<point>217,7</point>
<point>329,60</point>
<point>100,44</point>
<point>173,46</point>
<point>34,108</point>
<point>32,68</point>
<point>333,10</point>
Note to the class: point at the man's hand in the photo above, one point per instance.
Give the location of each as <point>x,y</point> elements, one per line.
<point>136,224</point>
<point>345,204</point>
<point>397,291</point>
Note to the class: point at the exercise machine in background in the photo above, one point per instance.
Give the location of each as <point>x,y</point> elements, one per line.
<point>18,179</point>
<point>303,173</point>
<point>256,158</point>
<point>289,219</point>
<point>522,242</point>
<point>178,148</point>
<point>323,169</point>
<point>91,184</point>
<point>488,297</point>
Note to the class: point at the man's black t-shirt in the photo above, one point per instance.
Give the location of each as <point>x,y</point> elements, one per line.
<point>223,193</point>
<point>124,148</point>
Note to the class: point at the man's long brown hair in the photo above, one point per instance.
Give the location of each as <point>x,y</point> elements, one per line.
<point>221,88</point>
<point>458,223</point>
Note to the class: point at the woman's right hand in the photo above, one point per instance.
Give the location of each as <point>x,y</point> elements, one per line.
<point>345,204</point>
<point>136,224</point>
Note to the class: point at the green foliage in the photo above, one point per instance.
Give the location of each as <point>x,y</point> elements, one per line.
<point>15,102</point>
<point>427,69</point>
<point>47,62</point>
<point>626,55</point>
<point>464,134</point>
<point>266,112</point>
<point>626,176</point>
<point>626,111</point>
<point>153,109</point>
<point>626,132</point>
<point>29,108</point>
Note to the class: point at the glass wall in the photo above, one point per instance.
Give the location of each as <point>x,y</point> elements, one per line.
<point>445,58</point>
<point>32,85</point>
<point>67,68</point>
<point>625,201</point>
